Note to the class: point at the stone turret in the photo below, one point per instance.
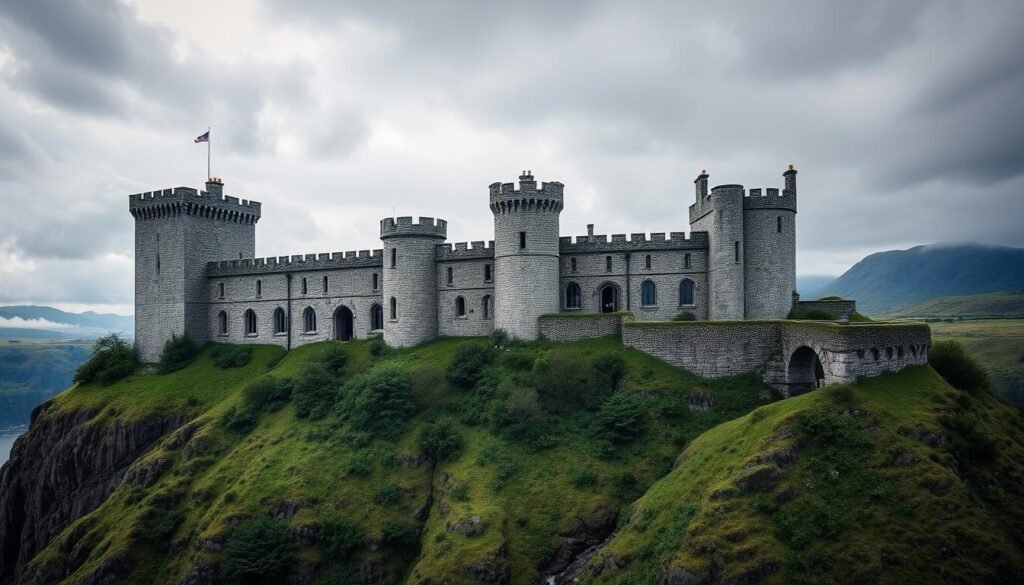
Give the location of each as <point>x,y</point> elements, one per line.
<point>410,278</point>
<point>769,236</point>
<point>525,253</point>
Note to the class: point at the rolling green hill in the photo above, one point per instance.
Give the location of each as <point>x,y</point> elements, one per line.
<point>999,305</point>
<point>505,467</point>
<point>887,282</point>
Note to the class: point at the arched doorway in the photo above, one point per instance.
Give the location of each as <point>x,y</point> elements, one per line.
<point>609,298</point>
<point>343,324</point>
<point>805,372</point>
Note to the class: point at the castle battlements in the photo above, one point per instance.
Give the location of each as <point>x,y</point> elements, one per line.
<point>465,251</point>
<point>189,201</point>
<point>404,226</point>
<point>635,242</point>
<point>505,198</point>
<point>297,263</point>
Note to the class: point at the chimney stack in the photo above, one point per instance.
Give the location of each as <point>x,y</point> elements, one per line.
<point>702,185</point>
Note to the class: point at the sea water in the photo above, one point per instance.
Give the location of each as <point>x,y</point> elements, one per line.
<point>7,437</point>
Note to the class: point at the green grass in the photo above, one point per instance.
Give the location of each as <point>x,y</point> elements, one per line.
<point>1000,305</point>
<point>998,345</point>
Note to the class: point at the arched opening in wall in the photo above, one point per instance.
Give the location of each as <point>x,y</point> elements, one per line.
<point>250,322</point>
<point>609,294</point>
<point>805,372</point>
<point>280,323</point>
<point>222,323</point>
<point>573,298</point>
<point>648,294</point>
<point>376,317</point>
<point>309,320</point>
<point>343,324</point>
<point>460,307</point>
<point>485,305</point>
<point>686,292</point>
<point>394,309</point>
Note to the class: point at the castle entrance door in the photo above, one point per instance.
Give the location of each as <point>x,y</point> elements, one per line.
<point>343,324</point>
<point>805,372</point>
<point>609,299</point>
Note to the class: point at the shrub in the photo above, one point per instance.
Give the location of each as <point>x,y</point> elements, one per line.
<point>387,494</point>
<point>440,441</point>
<point>582,478</point>
<point>958,368</point>
<point>156,526</point>
<point>339,537</point>
<point>563,379</point>
<point>499,339</point>
<point>334,359</point>
<point>813,315</point>
<point>260,550</point>
<point>378,347</point>
<point>966,443</point>
<point>517,360</point>
<point>267,393</point>
<point>468,365</point>
<point>231,356</point>
<point>178,352</point>
<point>378,401</point>
<point>315,392</point>
<point>609,368</point>
<point>622,417</point>
<point>359,463</point>
<point>112,358</point>
<point>400,535</point>
<point>685,316</point>
<point>240,419</point>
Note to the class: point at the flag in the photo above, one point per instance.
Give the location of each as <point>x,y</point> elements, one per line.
<point>204,137</point>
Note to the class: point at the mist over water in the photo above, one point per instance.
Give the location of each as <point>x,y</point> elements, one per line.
<point>7,438</point>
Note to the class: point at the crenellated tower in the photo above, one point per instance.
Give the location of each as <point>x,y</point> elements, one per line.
<point>769,236</point>
<point>410,278</point>
<point>525,253</point>
<point>177,231</point>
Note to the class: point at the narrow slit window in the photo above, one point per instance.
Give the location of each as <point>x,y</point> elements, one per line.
<point>572,264</point>
<point>259,287</point>
<point>608,263</point>
<point>647,261</point>
<point>778,224</point>
<point>487,272</point>
<point>736,251</point>
<point>158,264</point>
<point>450,278</point>
<point>394,257</point>
<point>220,289</point>
<point>394,308</point>
<point>686,261</point>
<point>305,286</point>
<point>375,281</point>
<point>325,285</point>
<point>522,240</point>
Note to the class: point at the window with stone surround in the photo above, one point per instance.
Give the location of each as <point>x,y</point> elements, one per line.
<point>376,282</point>
<point>250,323</point>
<point>647,261</point>
<point>222,323</point>
<point>394,257</point>
<point>573,298</point>
<point>309,320</point>
<point>607,263</point>
<point>220,290</point>
<point>450,276</point>
<point>572,264</point>
<point>485,305</point>
<point>460,307</point>
<point>686,260</point>
<point>305,286</point>
<point>686,292</point>
<point>736,251</point>
<point>522,240</point>
<point>778,223</point>
<point>259,287</point>
<point>648,294</point>
<point>394,309</point>
<point>280,323</point>
<point>325,285</point>
<point>487,273</point>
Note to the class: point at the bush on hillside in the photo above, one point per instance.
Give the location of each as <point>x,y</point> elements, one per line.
<point>468,365</point>
<point>240,419</point>
<point>156,526</point>
<point>500,339</point>
<point>260,550</point>
<point>440,441</point>
<point>267,393</point>
<point>178,352</point>
<point>314,392</point>
<point>231,356</point>
<point>622,417</point>
<point>564,379</point>
<point>400,535</point>
<point>609,369</point>
<point>965,442</point>
<point>685,316</point>
<point>112,358</point>
<point>339,537</point>
<point>334,359</point>
<point>378,347</point>
<point>378,401</point>
<point>952,362</point>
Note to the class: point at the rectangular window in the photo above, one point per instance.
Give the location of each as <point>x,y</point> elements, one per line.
<point>325,285</point>
<point>778,221</point>
<point>449,275</point>
<point>158,264</point>
<point>220,289</point>
<point>736,251</point>
<point>522,240</point>
<point>647,261</point>
<point>487,272</point>
<point>608,263</point>
<point>394,257</point>
<point>686,261</point>
<point>259,287</point>
<point>374,281</point>
<point>572,264</point>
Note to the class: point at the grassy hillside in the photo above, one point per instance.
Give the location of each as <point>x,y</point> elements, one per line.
<point>1000,305</point>
<point>888,281</point>
<point>900,479</point>
<point>518,481</point>
<point>998,345</point>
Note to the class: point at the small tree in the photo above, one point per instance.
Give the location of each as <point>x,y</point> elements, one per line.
<point>267,393</point>
<point>260,550</point>
<point>440,441</point>
<point>340,538</point>
<point>315,392</point>
<point>378,401</point>
<point>112,359</point>
<point>622,417</point>
<point>609,368</point>
<point>958,368</point>
<point>468,365</point>
<point>564,379</point>
<point>178,352</point>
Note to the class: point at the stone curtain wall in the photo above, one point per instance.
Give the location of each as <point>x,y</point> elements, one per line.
<point>469,283</point>
<point>573,327</point>
<point>726,348</point>
<point>838,309</point>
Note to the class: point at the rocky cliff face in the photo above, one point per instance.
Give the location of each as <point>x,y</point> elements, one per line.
<point>62,469</point>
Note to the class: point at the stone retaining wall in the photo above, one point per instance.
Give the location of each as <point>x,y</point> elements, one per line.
<point>575,326</point>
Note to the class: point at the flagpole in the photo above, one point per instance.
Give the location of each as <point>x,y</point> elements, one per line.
<point>208,153</point>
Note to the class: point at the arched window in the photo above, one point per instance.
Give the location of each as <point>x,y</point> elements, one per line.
<point>222,323</point>
<point>486,306</point>
<point>686,292</point>
<point>250,322</point>
<point>394,309</point>
<point>376,317</point>
<point>309,320</point>
<point>686,260</point>
<point>280,324</point>
<point>648,294</point>
<point>305,287</point>
<point>573,297</point>
<point>460,307</point>
<point>647,261</point>
<point>259,287</point>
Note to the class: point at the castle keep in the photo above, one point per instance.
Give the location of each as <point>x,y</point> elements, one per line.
<point>196,273</point>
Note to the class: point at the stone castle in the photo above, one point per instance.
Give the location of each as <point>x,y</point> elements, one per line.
<point>196,273</point>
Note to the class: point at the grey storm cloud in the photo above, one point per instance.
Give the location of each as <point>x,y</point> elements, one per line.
<point>903,117</point>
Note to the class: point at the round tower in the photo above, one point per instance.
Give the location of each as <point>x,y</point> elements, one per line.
<point>769,234</point>
<point>525,254</point>
<point>410,279</point>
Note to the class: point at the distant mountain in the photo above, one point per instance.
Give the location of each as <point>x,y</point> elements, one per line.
<point>1005,305</point>
<point>87,324</point>
<point>888,281</point>
<point>20,333</point>
<point>810,286</point>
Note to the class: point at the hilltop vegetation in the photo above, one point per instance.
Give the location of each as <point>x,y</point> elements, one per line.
<point>458,462</point>
<point>1000,305</point>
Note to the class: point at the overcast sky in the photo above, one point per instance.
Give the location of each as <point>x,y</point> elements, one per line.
<point>904,119</point>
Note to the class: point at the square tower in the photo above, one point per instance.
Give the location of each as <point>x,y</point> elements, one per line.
<point>177,231</point>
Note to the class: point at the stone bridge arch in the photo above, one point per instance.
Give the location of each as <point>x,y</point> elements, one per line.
<point>805,371</point>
